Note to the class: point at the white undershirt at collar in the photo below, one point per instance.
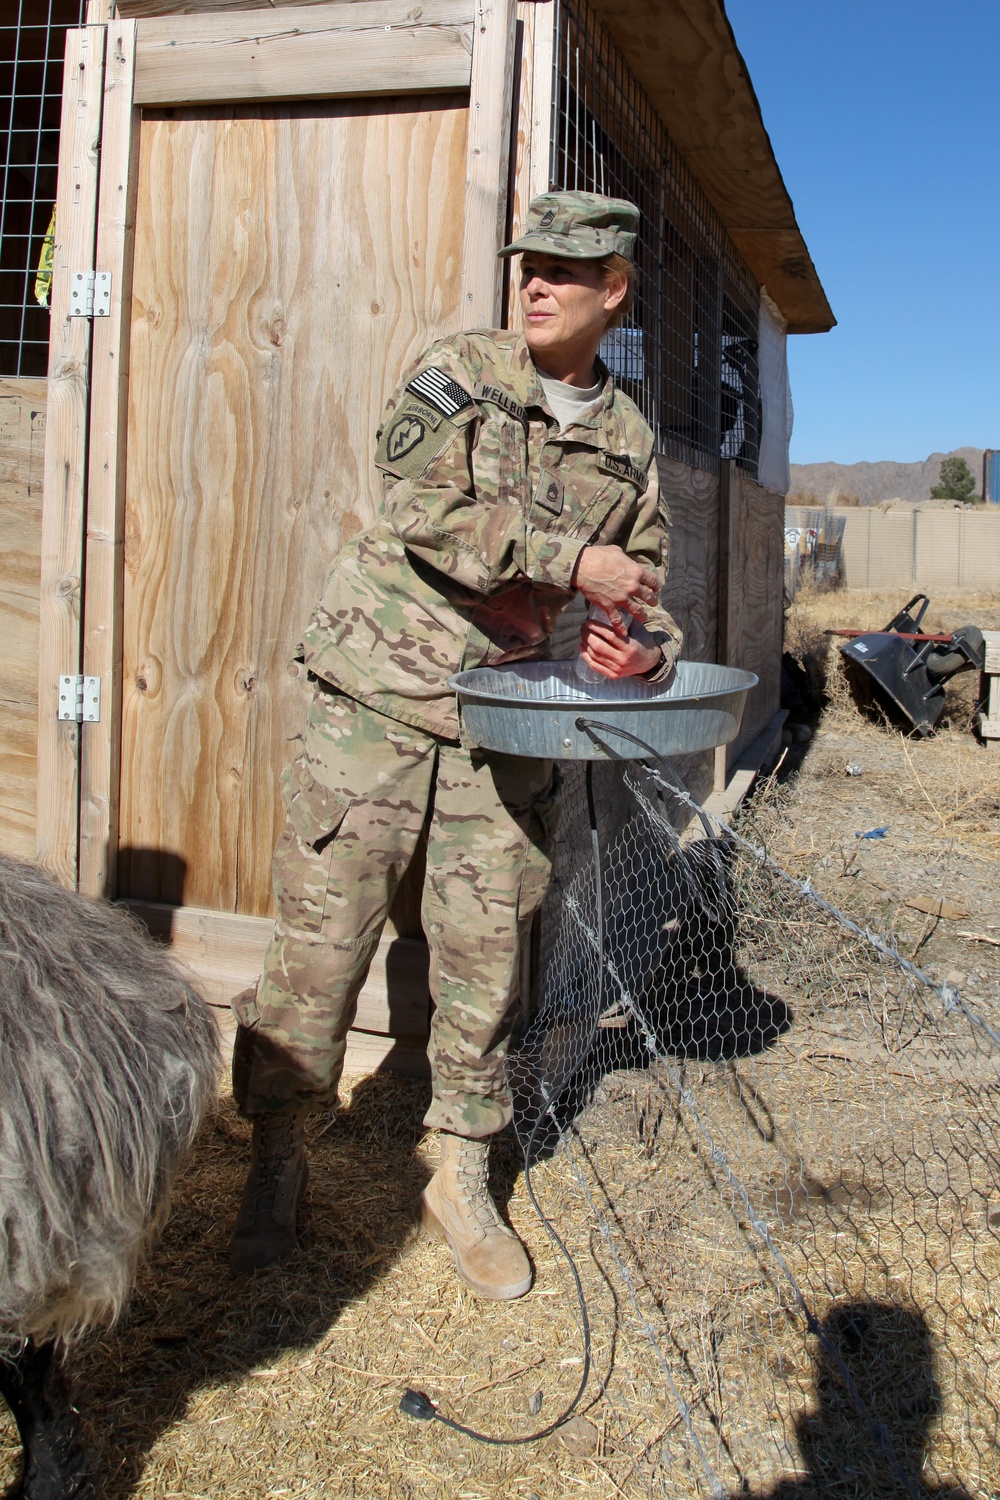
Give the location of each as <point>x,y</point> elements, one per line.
<point>568,402</point>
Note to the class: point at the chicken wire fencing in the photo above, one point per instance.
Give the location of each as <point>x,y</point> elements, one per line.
<point>32,44</point>
<point>688,352</point>
<point>769,1142</point>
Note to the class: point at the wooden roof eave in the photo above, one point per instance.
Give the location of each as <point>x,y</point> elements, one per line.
<point>684,55</point>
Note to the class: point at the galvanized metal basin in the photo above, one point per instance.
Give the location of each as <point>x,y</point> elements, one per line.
<point>533,708</point>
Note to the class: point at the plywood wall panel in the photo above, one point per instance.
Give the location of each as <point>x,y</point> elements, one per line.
<point>751,613</point>
<point>22,455</point>
<point>691,497</point>
<point>288,264</point>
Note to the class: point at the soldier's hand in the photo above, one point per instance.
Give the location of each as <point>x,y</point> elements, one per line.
<point>615,657</point>
<point>608,577</point>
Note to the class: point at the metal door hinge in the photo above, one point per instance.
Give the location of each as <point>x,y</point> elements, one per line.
<point>90,294</point>
<point>80,699</point>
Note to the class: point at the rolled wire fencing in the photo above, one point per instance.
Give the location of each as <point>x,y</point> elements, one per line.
<point>771,1144</point>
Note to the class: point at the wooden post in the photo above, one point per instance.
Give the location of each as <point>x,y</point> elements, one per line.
<point>65,453</point>
<point>728,480</point>
<point>100,750</point>
<point>533,126</point>
<point>487,163</point>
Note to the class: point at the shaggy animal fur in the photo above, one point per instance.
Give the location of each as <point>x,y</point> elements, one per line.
<point>108,1059</point>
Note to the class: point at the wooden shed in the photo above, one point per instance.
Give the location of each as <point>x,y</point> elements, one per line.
<point>282,204</point>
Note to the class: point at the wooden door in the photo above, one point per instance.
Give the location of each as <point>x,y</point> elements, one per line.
<point>289,262</point>
<point>277,258</point>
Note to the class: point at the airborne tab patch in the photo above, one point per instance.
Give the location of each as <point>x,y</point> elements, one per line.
<point>414,436</point>
<point>440,391</point>
<point>622,467</point>
<point>506,403</point>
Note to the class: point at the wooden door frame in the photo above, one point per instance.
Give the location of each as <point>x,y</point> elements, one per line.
<point>83,510</point>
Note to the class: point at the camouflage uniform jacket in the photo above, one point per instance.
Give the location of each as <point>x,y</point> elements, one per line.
<point>486,507</point>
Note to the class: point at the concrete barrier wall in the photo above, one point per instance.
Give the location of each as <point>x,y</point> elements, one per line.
<point>918,549</point>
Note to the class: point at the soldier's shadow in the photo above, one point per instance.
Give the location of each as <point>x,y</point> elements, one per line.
<point>869,1442</point>
<point>190,1326</point>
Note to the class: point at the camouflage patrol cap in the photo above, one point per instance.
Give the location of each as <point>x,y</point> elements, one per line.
<point>581,226</point>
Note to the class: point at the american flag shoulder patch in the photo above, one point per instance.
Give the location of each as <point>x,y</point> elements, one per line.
<point>440,391</point>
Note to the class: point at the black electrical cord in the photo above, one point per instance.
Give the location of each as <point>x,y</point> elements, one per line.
<point>415,1403</point>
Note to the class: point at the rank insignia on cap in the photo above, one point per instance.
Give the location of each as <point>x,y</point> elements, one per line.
<point>403,437</point>
<point>440,391</point>
<point>547,219</point>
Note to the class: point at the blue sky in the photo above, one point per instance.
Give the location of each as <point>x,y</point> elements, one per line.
<point>885,120</point>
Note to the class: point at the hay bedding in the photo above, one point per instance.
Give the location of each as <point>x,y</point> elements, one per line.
<point>289,1385</point>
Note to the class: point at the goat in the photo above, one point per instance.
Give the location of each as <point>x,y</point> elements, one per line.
<point>108,1059</point>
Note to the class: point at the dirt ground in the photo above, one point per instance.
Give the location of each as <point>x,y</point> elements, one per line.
<point>289,1385</point>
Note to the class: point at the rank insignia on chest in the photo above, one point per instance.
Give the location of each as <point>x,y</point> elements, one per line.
<point>623,468</point>
<point>403,436</point>
<point>549,494</point>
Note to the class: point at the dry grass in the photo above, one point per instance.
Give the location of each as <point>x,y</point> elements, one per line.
<point>866,1137</point>
<point>289,1384</point>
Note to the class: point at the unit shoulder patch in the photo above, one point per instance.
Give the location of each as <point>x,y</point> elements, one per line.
<point>439,390</point>
<point>497,397</point>
<point>623,468</point>
<point>413,437</point>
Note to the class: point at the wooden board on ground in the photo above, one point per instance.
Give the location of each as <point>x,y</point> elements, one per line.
<point>283,279</point>
<point>226,954</point>
<point>22,457</point>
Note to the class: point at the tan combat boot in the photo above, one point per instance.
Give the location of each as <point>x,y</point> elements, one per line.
<point>279,1171</point>
<point>457,1207</point>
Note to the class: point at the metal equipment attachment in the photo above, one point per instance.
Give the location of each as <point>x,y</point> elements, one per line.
<point>903,671</point>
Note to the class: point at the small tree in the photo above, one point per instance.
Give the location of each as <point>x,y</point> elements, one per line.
<point>957,481</point>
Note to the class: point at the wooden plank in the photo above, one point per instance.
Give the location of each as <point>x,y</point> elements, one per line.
<point>372,47</point>
<point>533,126</point>
<point>99,12</point>
<point>100,750</point>
<point>404,1055</point>
<point>226,954</point>
<point>488,163</point>
<point>141,8</point>
<point>65,451</point>
<point>22,451</point>
<point>691,496</point>
<point>263,350</point>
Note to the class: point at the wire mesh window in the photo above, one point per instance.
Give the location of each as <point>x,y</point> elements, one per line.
<point>687,354</point>
<point>32,43</point>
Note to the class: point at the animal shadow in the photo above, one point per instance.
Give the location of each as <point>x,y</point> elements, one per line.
<point>876,1395</point>
<point>191,1326</point>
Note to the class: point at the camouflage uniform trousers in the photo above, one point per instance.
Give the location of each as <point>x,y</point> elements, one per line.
<point>357,797</point>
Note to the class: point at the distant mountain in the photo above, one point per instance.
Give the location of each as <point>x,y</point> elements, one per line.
<point>879,481</point>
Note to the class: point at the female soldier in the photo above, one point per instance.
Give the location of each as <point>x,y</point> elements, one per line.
<point>515,474</point>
